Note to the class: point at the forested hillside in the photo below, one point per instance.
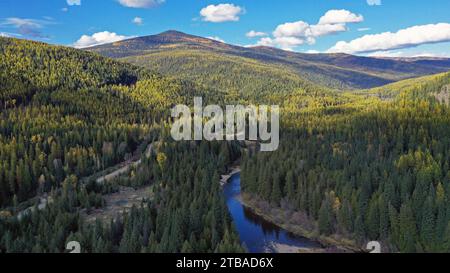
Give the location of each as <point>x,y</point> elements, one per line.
<point>67,114</point>
<point>240,77</point>
<point>337,71</point>
<point>353,166</point>
<point>187,214</point>
<point>364,167</point>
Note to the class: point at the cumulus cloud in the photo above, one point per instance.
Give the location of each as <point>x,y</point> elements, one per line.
<point>74,2</point>
<point>286,43</point>
<point>99,38</point>
<point>292,29</point>
<point>221,13</point>
<point>327,29</point>
<point>374,2</point>
<point>141,3</point>
<point>138,21</point>
<point>253,34</point>
<point>409,37</point>
<point>304,32</point>
<point>266,42</point>
<point>341,16</point>
<point>292,34</point>
<point>216,38</point>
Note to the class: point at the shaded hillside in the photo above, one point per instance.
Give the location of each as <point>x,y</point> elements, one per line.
<point>339,71</point>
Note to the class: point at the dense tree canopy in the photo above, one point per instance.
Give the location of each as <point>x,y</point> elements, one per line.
<point>67,115</point>
<point>364,167</point>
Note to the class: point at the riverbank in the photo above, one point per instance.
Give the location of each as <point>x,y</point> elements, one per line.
<point>292,222</point>
<point>257,234</point>
<point>287,221</point>
<point>288,249</point>
<point>235,168</point>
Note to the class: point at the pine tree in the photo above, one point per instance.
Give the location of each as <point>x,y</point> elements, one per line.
<point>427,230</point>
<point>407,230</point>
<point>325,218</point>
<point>276,192</point>
<point>373,220</point>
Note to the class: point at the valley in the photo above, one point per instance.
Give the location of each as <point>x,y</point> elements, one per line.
<point>364,149</point>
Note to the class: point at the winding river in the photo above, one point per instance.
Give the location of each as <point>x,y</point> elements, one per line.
<point>257,234</point>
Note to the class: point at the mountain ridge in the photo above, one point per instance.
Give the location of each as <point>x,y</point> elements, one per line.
<point>334,70</point>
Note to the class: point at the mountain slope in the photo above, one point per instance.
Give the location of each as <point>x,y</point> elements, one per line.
<point>69,112</point>
<point>339,71</point>
<point>237,76</point>
<point>435,85</point>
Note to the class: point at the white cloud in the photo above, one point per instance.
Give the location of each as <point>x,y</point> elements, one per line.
<point>340,17</point>
<point>141,3</point>
<point>374,2</point>
<point>409,37</point>
<point>221,13</point>
<point>265,42</point>
<point>286,43</point>
<point>305,32</point>
<point>99,38</point>
<point>215,38</point>
<point>312,51</point>
<point>28,27</point>
<point>64,9</point>
<point>74,2</point>
<point>404,54</point>
<point>9,34</point>
<point>364,29</point>
<point>253,34</point>
<point>22,22</point>
<point>292,34</point>
<point>138,21</point>
<point>293,29</point>
<point>323,30</point>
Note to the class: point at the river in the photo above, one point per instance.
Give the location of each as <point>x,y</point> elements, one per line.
<point>257,234</point>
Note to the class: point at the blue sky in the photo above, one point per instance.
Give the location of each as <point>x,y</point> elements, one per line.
<point>364,27</point>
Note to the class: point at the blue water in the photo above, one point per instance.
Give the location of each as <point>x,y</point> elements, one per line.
<point>257,234</point>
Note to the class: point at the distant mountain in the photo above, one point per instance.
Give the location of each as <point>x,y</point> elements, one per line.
<point>340,71</point>
<point>168,40</point>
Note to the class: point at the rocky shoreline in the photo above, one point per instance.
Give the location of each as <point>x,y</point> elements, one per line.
<point>234,169</point>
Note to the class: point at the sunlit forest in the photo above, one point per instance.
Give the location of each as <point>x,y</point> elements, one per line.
<point>357,165</point>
